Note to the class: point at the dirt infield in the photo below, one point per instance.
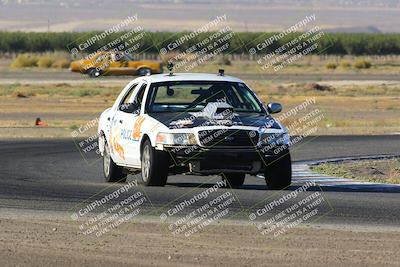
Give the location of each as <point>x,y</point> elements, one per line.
<point>57,242</point>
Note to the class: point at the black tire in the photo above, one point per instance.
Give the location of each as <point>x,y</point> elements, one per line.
<point>278,173</point>
<point>93,73</point>
<point>144,71</point>
<point>154,165</point>
<point>113,173</point>
<point>234,179</point>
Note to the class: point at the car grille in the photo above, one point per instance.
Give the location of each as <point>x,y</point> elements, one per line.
<point>228,138</point>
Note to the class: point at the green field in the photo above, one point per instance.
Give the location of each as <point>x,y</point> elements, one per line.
<point>330,44</point>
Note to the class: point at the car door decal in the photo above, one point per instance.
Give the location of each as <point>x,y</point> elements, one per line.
<point>136,127</point>
<point>115,136</point>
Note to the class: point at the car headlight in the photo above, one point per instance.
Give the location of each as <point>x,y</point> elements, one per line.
<point>275,139</point>
<point>176,139</point>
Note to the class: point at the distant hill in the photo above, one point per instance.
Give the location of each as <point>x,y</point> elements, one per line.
<point>175,15</point>
<point>368,29</point>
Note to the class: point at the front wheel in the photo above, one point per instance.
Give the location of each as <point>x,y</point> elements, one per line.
<point>278,173</point>
<point>93,73</point>
<point>154,166</point>
<point>112,172</point>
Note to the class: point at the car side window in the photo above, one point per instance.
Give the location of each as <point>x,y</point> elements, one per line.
<point>124,105</point>
<point>137,101</point>
<point>140,94</point>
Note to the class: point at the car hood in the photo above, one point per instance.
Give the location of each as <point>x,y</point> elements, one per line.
<point>175,120</point>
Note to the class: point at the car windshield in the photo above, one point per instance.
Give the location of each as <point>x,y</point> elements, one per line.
<point>195,95</point>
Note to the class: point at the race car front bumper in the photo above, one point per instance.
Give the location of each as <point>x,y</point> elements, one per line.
<point>198,160</point>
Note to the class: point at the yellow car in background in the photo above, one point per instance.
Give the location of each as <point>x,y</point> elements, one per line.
<point>115,63</point>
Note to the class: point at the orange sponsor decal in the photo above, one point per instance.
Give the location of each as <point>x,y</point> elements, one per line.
<point>118,148</point>
<point>115,146</point>
<point>136,128</point>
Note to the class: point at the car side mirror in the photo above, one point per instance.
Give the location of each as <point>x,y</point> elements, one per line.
<point>129,107</point>
<point>274,108</point>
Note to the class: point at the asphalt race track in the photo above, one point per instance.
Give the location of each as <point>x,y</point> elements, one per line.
<point>52,175</point>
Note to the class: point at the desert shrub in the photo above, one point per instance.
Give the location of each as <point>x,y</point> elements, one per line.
<point>224,60</point>
<point>86,92</point>
<point>61,63</point>
<point>331,65</point>
<point>362,64</point>
<point>345,64</point>
<point>45,62</point>
<point>318,87</point>
<point>24,61</point>
<point>73,127</point>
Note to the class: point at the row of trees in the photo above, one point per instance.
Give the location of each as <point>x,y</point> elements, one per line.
<point>152,42</point>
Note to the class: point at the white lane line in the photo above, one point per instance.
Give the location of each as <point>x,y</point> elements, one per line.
<point>295,174</point>
<point>323,179</point>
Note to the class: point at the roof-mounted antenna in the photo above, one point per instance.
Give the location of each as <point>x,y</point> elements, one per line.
<point>170,67</point>
<point>221,72</point>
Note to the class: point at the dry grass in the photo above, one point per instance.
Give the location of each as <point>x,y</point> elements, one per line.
<point>381,171</point>
<point>66,105</point>
<point>60,89</point>
<point>323,89</point>
<point>310,64</point>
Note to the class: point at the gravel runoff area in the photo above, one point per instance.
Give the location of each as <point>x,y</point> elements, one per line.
<point>56,242</point>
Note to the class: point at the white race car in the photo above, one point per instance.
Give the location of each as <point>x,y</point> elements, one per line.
<point>191,123</point>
